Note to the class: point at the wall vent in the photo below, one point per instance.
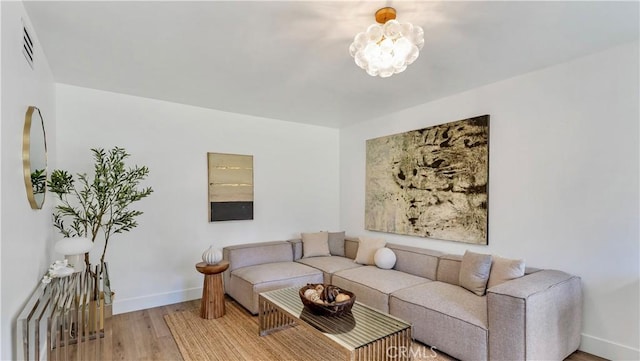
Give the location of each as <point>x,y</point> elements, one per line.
<point>27,45</point>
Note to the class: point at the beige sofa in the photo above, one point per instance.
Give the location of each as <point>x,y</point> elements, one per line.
<point>534,317</point>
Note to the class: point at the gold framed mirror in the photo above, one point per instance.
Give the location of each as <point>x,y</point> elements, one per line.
<point>34,157</point>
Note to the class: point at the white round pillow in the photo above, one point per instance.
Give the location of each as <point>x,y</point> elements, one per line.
<point>385,258</point>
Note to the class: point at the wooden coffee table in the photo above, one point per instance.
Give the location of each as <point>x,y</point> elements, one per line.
<point>363,334</point>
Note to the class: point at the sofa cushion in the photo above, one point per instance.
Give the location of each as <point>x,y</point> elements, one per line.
<point>416,261</point>
<point>504,269</point>
<point>251,254</point>
<point>474,272</point>
<point>373,285</point>
<point>367,248</point>
<point>273,271</point>
<point>336,243</point>
<point>351,247</point>
<point>329,265</point>
<point>296,245</point>
<point>451,318</point>
<point>245,284</point>
<point>449,269</point>
<point>315,244</point>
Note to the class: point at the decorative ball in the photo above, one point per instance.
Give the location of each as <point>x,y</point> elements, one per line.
<point>212,255</point>
<point>311,294</point>
<point>384,258</point>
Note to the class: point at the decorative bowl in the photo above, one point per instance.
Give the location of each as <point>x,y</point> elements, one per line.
<point>333,308</point>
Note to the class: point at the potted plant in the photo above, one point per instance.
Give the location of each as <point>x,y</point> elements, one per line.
<point>89,207</point>
<point>98,205</point>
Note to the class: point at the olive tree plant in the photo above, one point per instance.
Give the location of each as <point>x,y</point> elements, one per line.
<point>89,206</point>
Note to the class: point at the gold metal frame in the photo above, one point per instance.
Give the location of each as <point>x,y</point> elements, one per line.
<point>26,155</point>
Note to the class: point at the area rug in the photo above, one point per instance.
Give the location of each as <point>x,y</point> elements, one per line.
<point>235,337</point>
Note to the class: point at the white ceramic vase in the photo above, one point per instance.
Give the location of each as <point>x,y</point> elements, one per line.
<point>212,255</point>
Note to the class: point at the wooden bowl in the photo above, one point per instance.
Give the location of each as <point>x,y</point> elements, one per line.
<point>330,309</point>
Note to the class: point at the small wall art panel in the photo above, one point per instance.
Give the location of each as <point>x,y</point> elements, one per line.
<point>230,187</point>
<point>431,182</point>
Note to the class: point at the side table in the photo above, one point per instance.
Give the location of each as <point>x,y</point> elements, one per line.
<point>212,305</point>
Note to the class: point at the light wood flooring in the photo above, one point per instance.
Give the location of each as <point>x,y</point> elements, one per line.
<point>144,335</point>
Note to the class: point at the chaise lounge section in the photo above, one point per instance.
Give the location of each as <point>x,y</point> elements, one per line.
<point>261,267</point>
<point>533,317</point>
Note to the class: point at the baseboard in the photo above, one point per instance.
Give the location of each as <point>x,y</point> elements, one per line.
<point>608,349</point>
<point>159,299</point>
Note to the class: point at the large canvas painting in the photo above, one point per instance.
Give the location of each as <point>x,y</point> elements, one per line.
<point>230,187</point>
<point>431,182</point>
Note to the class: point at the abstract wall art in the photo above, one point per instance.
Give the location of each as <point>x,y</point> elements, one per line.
<point>431,182</point>
<point>230,187</point>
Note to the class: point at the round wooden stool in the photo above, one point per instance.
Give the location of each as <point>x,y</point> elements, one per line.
<point>212,305</point>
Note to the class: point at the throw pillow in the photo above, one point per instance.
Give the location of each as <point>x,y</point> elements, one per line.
<point>474,272</point>
<point>336,243</point>
<point>385,258</point>
<point>367,248</point>
<point>315,244</point>
<point>504,269</point>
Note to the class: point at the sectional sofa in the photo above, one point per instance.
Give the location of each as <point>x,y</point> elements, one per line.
<point>534,317</point>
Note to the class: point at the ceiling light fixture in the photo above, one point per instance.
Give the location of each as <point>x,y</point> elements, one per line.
<point>386,48</point>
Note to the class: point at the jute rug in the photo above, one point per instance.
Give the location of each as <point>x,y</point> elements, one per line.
<point>235,337</point>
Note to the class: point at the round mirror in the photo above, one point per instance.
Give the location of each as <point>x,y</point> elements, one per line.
<point>34,157</point>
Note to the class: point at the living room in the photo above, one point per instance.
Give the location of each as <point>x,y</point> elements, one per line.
<point>563,185</point>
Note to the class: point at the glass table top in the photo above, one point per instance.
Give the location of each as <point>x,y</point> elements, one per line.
<point>360,327</point>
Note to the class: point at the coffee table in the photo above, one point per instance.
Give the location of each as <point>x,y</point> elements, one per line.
<point>363,334</point>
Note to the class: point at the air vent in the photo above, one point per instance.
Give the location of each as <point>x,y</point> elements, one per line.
<point>27,45</point>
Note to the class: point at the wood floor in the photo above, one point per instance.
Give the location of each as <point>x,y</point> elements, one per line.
<point>144,335</point>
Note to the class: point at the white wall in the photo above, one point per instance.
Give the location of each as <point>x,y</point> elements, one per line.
<point>563,183</point>
<point>295,176</point>
<point>25,237</point>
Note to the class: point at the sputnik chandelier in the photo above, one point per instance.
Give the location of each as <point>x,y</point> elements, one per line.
<point>386,48</point>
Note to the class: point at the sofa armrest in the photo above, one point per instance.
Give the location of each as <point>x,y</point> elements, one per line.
<point>535,317</point>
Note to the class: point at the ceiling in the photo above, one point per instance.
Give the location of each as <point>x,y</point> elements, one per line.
<point>289,60</point>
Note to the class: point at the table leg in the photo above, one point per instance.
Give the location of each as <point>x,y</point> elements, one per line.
<point>270,318</point>
<point>212,305</point>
